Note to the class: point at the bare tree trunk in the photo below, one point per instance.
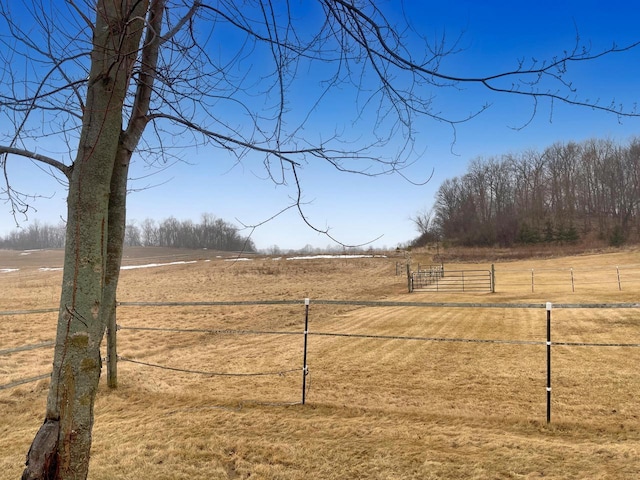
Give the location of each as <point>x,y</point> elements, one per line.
<point>115,244</point>
<point>62,446</point>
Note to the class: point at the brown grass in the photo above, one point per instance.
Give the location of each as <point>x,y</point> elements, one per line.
<point>376,408</point>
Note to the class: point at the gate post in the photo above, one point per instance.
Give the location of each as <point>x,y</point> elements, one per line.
<point>112,351</point>
<point>493,278</point>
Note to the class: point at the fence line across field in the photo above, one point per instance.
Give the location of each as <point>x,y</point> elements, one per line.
<point>365,303</point>
<point>571,276</point>
<point>380,303</point>
<point>437,278</point>
<point>112,361</point>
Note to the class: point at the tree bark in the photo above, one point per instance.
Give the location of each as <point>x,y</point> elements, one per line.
<point>87,288</point>
<point>115,243</point>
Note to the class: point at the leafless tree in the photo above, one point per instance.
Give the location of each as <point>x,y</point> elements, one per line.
<point>587,189</point>
<point>118,79</point>
<point>37,235</point>
<point>423,221</point>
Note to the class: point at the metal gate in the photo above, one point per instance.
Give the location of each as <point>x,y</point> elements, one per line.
<point>452,281</point>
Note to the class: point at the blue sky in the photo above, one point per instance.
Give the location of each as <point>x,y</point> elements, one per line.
<point>357,209</point>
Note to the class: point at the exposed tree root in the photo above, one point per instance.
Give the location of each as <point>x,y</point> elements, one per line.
<point>41,461</point>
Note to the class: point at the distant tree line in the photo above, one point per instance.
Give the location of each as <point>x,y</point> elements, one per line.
<point>35,236</point>
<point>565,194</point>
<point>212,233</point>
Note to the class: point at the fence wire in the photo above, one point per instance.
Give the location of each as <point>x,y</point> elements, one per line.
<point>24,348</point>
<point>365,303</point>
<point>209,331</point>
<point>471,340</point>
<point>210,374</point>
<point>28,312</point>
<point>24,380</point>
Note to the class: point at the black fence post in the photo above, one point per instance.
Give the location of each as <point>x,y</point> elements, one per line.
<point>548,362</point>
<point>305,368</point>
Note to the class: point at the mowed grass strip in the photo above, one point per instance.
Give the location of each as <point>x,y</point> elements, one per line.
<point>376,407</point>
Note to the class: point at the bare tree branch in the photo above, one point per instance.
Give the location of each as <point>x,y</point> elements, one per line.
<point>36,156</point>
<point>144,85</point>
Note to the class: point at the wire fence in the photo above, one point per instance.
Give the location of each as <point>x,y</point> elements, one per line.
<point>303,368</point>
<point>622,277</point>
<point>437,278</point>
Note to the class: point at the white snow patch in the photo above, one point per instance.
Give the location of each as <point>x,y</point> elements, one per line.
<point>152,265</point>
<point>126,267</point>
<point>8,270</point>
<point>238,259</point>
<point>315,257</point>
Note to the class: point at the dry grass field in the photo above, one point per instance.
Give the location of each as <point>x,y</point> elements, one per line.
<point>376,408</point>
